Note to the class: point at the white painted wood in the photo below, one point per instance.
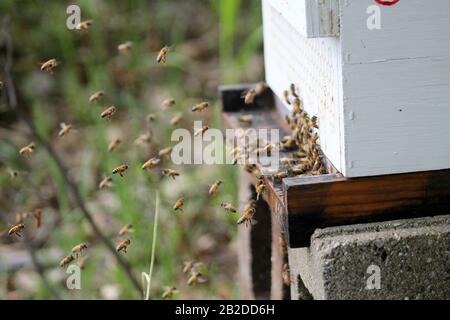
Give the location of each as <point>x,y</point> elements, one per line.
<point>312,18</point>
<point>382,96</point>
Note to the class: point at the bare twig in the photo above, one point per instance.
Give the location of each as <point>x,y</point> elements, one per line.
<point>153,253</point>
<point>71,186</point>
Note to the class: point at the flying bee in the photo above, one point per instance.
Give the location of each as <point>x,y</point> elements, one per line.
<point>169,292</point>
<point>280,175</point>
<point>114,144</point>
<point>178,206</point>
<point>120,170</point>
<point>125,47</point>
<point>201,131</point>
<point>143,139</point>
<point>78,249</point>
<point>49,65</point>
<point>96,96</point>
<point>170,173</point>
<point>162,55</point>
<point>215,187</point>
<point>84,25</point>
<point>20,217</point>
<point>38,217</point>
<point>286,275</point>
<point>66,261</point>
<point>287,99</point>
<point>150,164</point>
<point>195,278</point>
<point>27,150</point>
<point>13,174</point>
<point>168,103</point>
<point>260,88</point>
<point>190,266</point>
<point>249,96</point>
<point>16,230</point>
<point>165,152</point>
<point>228,207</point>
<point>200,107</point>
<point>260,188</point>
<point>123,245</point>
<point>105,183</point>
<point>108,113</point>
<point>126,229</point>
<point>65,129</point>
<point>248,214</point>
<point>176,120</point>
<point>151,117</point>
<point>246,119</point>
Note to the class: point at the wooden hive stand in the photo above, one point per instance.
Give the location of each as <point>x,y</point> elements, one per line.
<point>291,210</point>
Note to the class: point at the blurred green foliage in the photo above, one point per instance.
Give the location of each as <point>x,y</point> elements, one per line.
<point>213,42</point>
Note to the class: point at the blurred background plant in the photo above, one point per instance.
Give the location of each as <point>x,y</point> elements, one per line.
<point>213,42</point>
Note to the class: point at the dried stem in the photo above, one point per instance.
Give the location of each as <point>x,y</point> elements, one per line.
<point>71,186</point>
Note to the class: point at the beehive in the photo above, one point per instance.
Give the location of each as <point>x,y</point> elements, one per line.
<point>382,95</point>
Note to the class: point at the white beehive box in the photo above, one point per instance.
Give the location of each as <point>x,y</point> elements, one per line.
<point>382,95</point>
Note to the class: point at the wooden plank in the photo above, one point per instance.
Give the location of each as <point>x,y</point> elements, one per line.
<point>332,200</point>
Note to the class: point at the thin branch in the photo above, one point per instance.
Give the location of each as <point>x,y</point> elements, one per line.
<point>152,258</point>
<point>71,186</point>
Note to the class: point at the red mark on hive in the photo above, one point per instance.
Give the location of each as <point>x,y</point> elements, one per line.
<point>387,2</point>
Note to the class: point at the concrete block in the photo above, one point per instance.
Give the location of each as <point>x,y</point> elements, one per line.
<point>410,258</point>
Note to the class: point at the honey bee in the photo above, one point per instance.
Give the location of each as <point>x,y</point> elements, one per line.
<point>105,183</point>
<point>123,245</point>
<point>297,106</point>
<point>286,275</point>
<point>65,129</point>
<point>215,187</point>
<point>246,119</point>
<point>125,47</point>
<point>260,88</point>
<point>162,55</point>
<point>38,217</point>
<point>314,122</point>
<point>120,170</point>
<point>201,131</point>
<point>260,188</point>
<point>249,96</point>
<point>195,278</point>
<point>297,169</point>
<point>287,99</point>
<point>16,230</point>
<point>13,174</point>
<point>178,206</point>
<point>248,214</point>
<point>84,25</point>
<point>168,103</point>
<point>96,96</point>
<point>228,207</point>
<point>108,113</point>
<point>176,120</point>
<point>150,164</point>
<point>126,229</point>
<point>165,152</point>
<point>66,261</point>
<point>151,117</point>
<point>280,175</point>
<point>169,292</point>
<point>114,144</point>
<point>78,249</point>
<point>170,173</point>
<point>49,65</point>
<point>200,107</point>
<point>27,150</point>
<point>190,266</point>
<point>143,139</point>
